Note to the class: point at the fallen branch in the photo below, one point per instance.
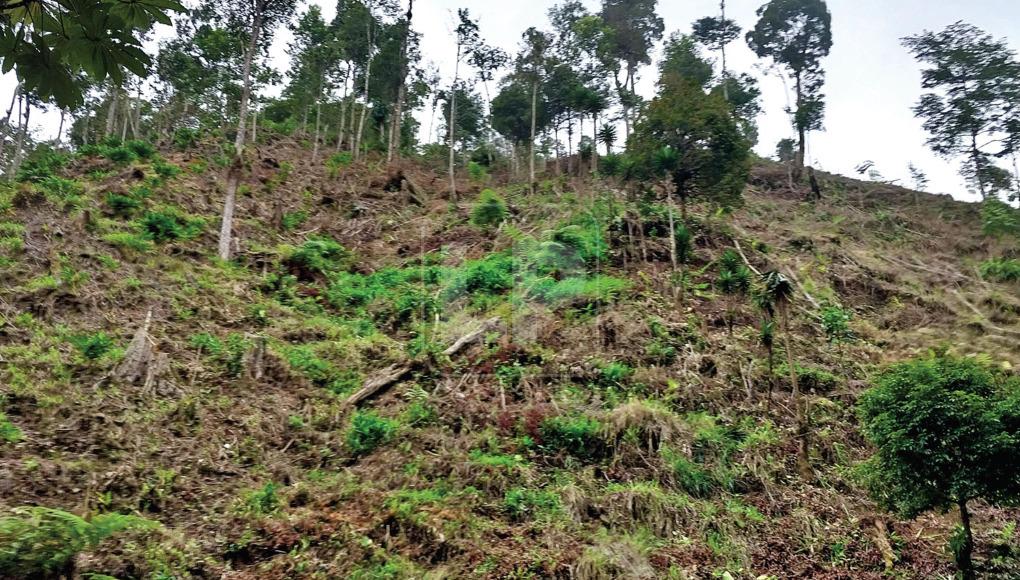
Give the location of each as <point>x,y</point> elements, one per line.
<point>396,373</point>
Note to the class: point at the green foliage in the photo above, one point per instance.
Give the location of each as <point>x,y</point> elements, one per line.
<point>294,219</point>
<point>9,432</point>
<point>40,541</point>
<point>185,138</point>
<point>688,475</point>
<point>264,500</point>
<point>169,224</point>
<point>490,210</point>
<point>836,324</point>
<point>368,431</point>
<point>93,346</point>
<point>493,274</point>
<point>318,256</point>
<point>122,155</point>
<point>60,189</point>
<point>1001,270</point>
<point>131,241</point>
<point>41,163</point>
<point>122,205</point>
<point>999,218</point>
<point>477,172</point>
<point>141,149</point>
<point>164,169</point>
<point>580,436</point>
<point>338,161</point>
<point>521,503</point>
<point>947,430</point>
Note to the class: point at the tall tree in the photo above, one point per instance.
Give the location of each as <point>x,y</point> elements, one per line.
<point>533,54</point>
<point>716,32</point>
<point>633,28</point>
<point>398,109</point>
<point>797,34</point>
<point>467,40</point>
<point>259,20</point>
<point>974,96</point>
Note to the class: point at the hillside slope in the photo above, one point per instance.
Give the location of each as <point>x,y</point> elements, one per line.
<point>589,418</point>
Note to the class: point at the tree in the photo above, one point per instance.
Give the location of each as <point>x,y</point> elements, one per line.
<point>777,295</point>
<point>49,43</point>
<point>946,432</point>
<point>716,32</point>
<point>607,136</point>
<point>691,138</point>
<point>629,30</point>
<point>532,64</point>
<point>797,34</point>
<point>467,40</point>
<point>315,52</point>
<point>974,87</point>
<point>258,19</point>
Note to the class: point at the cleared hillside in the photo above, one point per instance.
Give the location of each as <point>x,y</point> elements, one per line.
<point>551,400</point>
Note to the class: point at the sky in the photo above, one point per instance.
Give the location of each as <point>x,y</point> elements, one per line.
<point>871,80</point>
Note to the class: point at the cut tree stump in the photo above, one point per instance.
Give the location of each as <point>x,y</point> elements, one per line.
<point>393,374</point>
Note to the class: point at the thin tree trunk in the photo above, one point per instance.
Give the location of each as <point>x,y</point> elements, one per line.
<point>594,143</point>
<point>249,57</point>
<point>534,123</point>
<point>803,463</point>
<point>19,152</point>
<point>364,110</point>
<point>798,168</point>
<point>318,122</point>
<point>397,122</point>
<point>672,230</point>
<point>453,125</point>
<point>975,155</point>
<point>111,113</point>
<point>7,120</point>
<point>254,125</point>
<point>964,556</point>
<point>234,174</point>
<point>60,128</point>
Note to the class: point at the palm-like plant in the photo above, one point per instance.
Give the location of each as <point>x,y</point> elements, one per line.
<point>778,291</point>
<point>607,136</point>
<point>734,281</point>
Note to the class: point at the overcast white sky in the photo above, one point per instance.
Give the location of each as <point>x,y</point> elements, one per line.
<point>871,80</point>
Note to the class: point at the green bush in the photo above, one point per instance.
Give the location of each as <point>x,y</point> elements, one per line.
<point>477,171</point>
<point>337,161</point>
<point>9,432</point>
<point>836,324</point>
<point>165,169</point>
<point>293,219</point>
<point>522,502</point>
<point>264,500</point>
<point>493,274</point>
<point>42,542</point>
<point>93,346</point>
<point>368,431</point>
<point>129,240</point>
<point>41,163</point>
<point>60,188</point>
<point>169,224</point>
<point>579,436</point>
<point>141,149</point>
<point>1001,270</point>
<point>318,256</point>
<point>490,210</point>
<point>689,476</point>
<point>122,205</point>
<point>185,138</point>
<point>947,432</point>
<point>121,155</point>
<point>999,218</point>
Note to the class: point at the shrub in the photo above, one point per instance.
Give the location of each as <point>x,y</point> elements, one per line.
<point>141,149</point>
<point>368,431</point>
<point>122,205</point>
<point>185,138</point>
<point>836,324</point>
<point>168,224</point>
<point>40,164</point>
<point>92,346</point>
<point>293,219</point>
<point>165,169</point>
<point>337,161</point>
<point>9,432</point>
<point>60,188</point>
<point>317,256</point>
<point>40,541</point>
<point>477,171</point>
<point>578,436</point>
<point>493,274</point>
<point>490,210</point>
<point>615,373</point>
<point>1001,270</point>
<point>947,432</point>
<point>521,502</point>
<point>121,155</point>
<point>688,475</point>
<point>999,219</point>
<point>263,500</point>
<point>129,240</point>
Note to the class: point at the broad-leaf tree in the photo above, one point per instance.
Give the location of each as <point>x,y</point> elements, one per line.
<point>947,433</point>
<point>973,99</point>
<point>797,35</point>
<point>48,43</point>
<point>632,29</point>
